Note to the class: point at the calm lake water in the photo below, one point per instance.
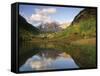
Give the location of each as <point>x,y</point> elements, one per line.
<point>47,60</point>
<point>50,56</point>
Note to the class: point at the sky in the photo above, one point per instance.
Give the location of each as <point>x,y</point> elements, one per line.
<point>37,14</point>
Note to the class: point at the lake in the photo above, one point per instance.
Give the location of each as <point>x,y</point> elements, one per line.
<point>53,55</point>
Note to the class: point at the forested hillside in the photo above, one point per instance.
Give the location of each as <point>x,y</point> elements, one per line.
<point>83,26</point>
<point>26,30</point>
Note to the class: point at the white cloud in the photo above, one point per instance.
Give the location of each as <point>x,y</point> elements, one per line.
<point>42,15</point>
<point>38,17</point>
<point>48,10</point>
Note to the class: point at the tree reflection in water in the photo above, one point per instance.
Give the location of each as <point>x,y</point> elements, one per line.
<point>48,60</point>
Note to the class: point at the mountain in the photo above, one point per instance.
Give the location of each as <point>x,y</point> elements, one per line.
<point>26,30</point>
<point>64,25</point>
<point>82,26</point>
<point>49,27</point>
<point>87,13</point>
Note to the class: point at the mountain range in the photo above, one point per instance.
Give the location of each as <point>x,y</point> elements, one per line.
<point>83,26</point>
<point>49,27</point>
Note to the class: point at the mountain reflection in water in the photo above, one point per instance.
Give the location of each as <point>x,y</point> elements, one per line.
<point>48,60</point>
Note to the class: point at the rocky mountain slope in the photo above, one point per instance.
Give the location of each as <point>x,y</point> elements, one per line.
<point>49,27</point>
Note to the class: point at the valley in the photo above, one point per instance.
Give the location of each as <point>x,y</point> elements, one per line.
<point>78,39</point>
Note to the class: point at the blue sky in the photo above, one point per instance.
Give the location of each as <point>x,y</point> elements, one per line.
<point>35,14</point>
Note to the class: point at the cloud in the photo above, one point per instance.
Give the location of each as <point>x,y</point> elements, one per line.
<point>38,17</point>
<point>47,11</point>
<point>42,15</point>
